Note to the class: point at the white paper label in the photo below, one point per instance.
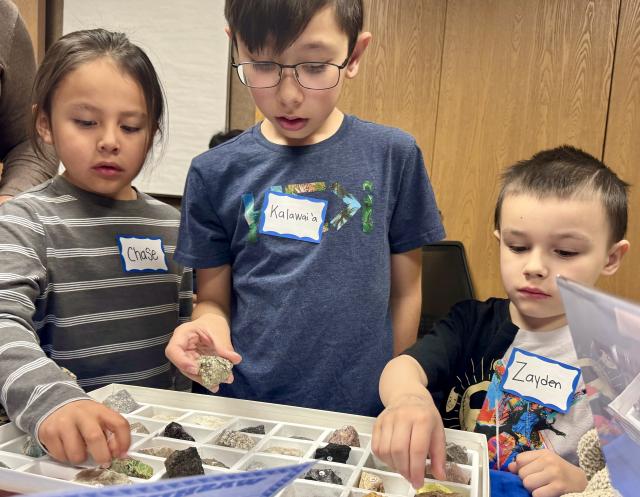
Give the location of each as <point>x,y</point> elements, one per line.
<point>540,379</point>
<point>142,254</point>
<point>293,216</point>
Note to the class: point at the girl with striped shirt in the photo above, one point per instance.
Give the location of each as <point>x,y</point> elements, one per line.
<point>87,279</point>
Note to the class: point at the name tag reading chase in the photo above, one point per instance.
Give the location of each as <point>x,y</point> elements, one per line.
<point>141,254</point>
<point>293,216</point>
<point>540,379</point>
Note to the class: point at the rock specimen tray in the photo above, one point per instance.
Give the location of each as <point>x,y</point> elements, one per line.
<point>291,435</point>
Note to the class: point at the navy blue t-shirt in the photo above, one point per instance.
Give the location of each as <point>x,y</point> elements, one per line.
<point>311,321</point>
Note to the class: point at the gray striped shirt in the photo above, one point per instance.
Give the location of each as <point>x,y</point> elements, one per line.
<point>68,296</point>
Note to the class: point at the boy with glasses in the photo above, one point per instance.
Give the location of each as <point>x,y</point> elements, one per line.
<point>306,229</point>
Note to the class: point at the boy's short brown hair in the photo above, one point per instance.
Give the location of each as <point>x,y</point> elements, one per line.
<point>278,23</point>
<point>565,172</point>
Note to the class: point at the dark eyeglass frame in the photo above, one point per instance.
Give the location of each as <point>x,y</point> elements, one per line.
<point>281,67</point>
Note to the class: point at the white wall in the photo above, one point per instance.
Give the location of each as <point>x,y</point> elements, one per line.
<point>186,42</point>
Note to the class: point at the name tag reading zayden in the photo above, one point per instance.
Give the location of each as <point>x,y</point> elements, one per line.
<point>292,216</point>
<point>540,379</point>
<point>142,254</point>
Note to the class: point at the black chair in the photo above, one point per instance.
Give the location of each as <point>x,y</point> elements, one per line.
<point>445,281</point>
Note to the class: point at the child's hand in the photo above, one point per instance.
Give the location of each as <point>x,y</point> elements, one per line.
<point>545,474</point>
<point>406,431</point>
<point>84,426</point>
<point>207,335</point>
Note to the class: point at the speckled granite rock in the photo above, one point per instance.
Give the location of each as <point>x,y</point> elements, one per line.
<point>333,453</point>
<point>99,477</point>
<point>455,473</point>
<point>456,453</point>
<point>175,430</point>
<point>347,435</point>
<point>323,475</point>
<point>256,430</point>
<point>132,467</point>
<point>163,452</point>
<point>370,481</point>
<point>31,448</point>
<point>139,428</point>
<point>184,463</point>
<point>121,401</point>
<point>213,370</point>
<point>236,439</point>
<point>285,451</point>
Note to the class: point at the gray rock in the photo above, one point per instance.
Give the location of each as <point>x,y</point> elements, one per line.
<point>457,454</point>
<point>139,428</point>
<point>163,452</point>
<point>121,401</point>
<point>212,461</point>
<point>236,439</point>
<point>323,475</point>
<point>99,477</point>
<point>256,430</point>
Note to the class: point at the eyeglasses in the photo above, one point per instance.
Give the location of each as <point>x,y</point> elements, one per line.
<point>310,75</point>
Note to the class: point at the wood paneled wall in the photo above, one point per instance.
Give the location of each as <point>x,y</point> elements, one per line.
<point>399,79</point>
<point>489,83</point>
<point>517,77</point>
<point>622,139</point>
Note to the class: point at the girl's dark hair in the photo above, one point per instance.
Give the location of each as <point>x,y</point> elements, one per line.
<point>80,47</point>
<point>565,172</point>
<point>280,22</point>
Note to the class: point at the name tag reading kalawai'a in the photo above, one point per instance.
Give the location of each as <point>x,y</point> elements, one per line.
<point>539,379</point>
<point>293,216</point>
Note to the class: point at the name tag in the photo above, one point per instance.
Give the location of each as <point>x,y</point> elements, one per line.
<point>293,216</point>
<point>142,254</point>
<point>540,379</point>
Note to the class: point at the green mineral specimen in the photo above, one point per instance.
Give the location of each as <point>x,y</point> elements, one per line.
<point>132,467</point>
<point>436,490</point>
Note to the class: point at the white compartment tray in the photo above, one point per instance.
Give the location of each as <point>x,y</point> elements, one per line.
<point>298,429</point>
